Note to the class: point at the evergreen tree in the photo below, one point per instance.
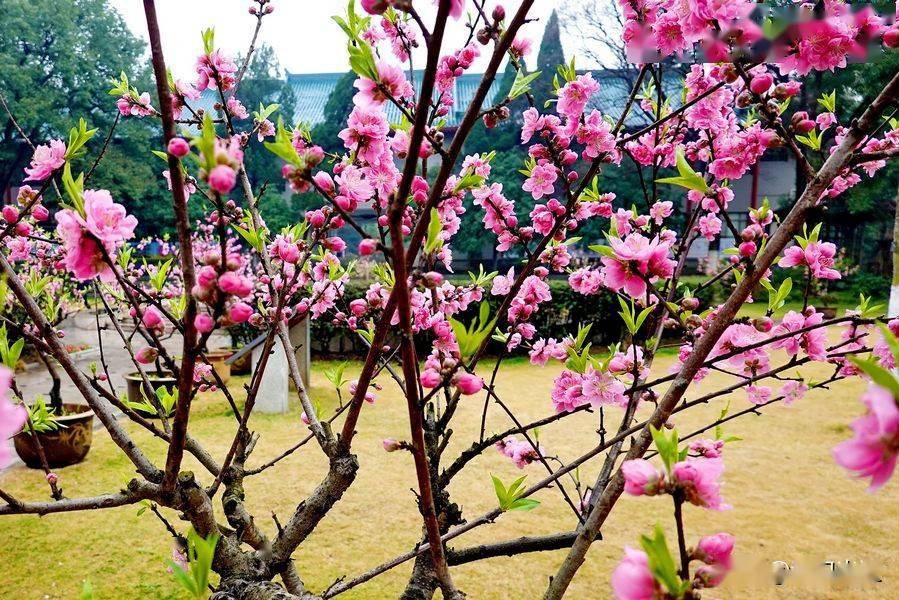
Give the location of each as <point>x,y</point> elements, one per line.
<point>264,84</point>
<point>57,59</point>
<point>549,57</point>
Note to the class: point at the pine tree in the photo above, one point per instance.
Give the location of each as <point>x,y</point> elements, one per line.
<point>549,57</point>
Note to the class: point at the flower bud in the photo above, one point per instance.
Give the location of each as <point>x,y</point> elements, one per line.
<point>432,279</point>
<point>204,323</point>
<point>178,147</point>
<point>240,312</point>
<point>40,212</point>
<point>761,83</point>
<point>146,355</point>
<point>10,213</point>
<point>763,324</point>
<point>747,249</point>
<point>469,384</point>
<point>367,247</point>
<point>805,126</point>
<point>391,445</point>
<point>375,7</point>
<point>891,37</point>
<point>690,304</point>
<point>222,179</point>
<point>430,378</point>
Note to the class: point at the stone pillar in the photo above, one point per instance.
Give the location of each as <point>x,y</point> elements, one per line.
<point>300,339</point>
<point>274,387</point>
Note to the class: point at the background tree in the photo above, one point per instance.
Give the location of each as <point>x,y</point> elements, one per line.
<point>550,56</point>
<point>595,27</point>
<point>265,83</point>
<point>56,60</point>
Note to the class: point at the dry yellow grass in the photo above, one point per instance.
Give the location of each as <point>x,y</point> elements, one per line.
<point>789,500</point>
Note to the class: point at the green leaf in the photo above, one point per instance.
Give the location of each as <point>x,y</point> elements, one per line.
<point>167,399</point>
<point>524,504</point>
<point>878,374</point>
<point>265,112</point>
<point>87,590</point>
<point>479,280</point>
<point>157,279</point>
<point>343,25</point>
<point>522,83</point>
<point>74,189</point>
<point>688,178</point>
<point>78,137</point>
<point>467,182</point>
<point>470,338</point>
<point>603,250</point>
<point>362,59</point>
<point>42,420</point>
<point>667,446</point>
<point>200,552</point>
<point>776,299</point>
<point>500,490</point>
<point>283,147</point>
<point>661,563</point>
<point>208,40</point>
<point>812,140</point>
<point>829,101</point>
<point>511,498</point>
<point>773,26</point>
<point>335,375</point>
<point>15,351</point>
<point>434,243</point>
<point>205,143</point>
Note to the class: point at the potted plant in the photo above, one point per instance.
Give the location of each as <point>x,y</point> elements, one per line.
<point>217,358</point>
<point>164,385</point>
<point>62,431</point>
<point>241,335</point>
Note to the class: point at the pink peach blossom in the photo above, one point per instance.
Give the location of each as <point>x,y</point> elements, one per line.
<point>872,451</point>
<point>46,159</point>
<point>641,478</point>
<point>632,579</point>
<point>12,416</point>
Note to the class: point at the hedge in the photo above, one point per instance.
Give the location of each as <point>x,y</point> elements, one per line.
<point>557,318</point>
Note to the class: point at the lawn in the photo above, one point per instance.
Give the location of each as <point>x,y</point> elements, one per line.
<point>790,502</point>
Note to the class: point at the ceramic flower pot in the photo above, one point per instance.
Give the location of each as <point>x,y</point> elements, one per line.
<point>217,359</point>
<point>158,379</point>
<point>65,446</point>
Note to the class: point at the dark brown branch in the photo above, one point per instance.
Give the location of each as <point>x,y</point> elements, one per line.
<point>179,203</point>
<point>521,545</point>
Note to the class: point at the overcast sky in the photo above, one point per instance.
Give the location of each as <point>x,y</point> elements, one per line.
<point>302,33</point>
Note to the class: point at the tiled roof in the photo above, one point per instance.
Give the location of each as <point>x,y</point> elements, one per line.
<point>615,87</point>
<point>312,91</point>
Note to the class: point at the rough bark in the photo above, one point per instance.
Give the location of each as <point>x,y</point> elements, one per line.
<point>423,582</point>
<point>243,589</point>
